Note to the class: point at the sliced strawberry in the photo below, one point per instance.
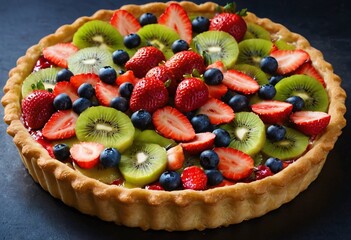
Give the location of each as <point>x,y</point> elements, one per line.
<point>128,76</point>
<point>86,154</point>
<point>217,91</point>
<point>171,123</point>
<point>201,142</point>
<point>79,79</point>
<point>61,125</point>
<point>272,112</point>
<point>217,111</point>
<point>66,87</point>
<point>219,65</point>
<point>105,93</point>
<point>240,82</point>
<point>308,69</point>
<point>175,158</point>
<point>194,178</point>
<point>224,183</point>
<point>309,122</point>
<point>124,22</point>
<point>234,164</point>
<point>59,53</point>
<point>289,60</point>
<point>176,18</point>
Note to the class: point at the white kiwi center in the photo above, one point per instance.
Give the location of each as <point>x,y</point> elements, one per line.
<point>241,133</point>
<point>141,157</point>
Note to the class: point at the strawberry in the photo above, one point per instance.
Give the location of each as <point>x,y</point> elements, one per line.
<point>37,108</point>
<point>66,87</point>
<point>262,171</point>
<point>124,22</point>
<point>308,69</point>
<point>217,111</point>
<point>272,111</point>
<point>128,76</point>
<point>219,65</point>
<point>289,60</point>
<point>175,158</point>
<point>148,94</point>
<point>144,59</point>
<point>224,183</point>
<point>105,93</point>
<point>191,94</point>
<point>86,154</point>
<point>201,142</point>
<point>240,82</point>
<point>59,53</point>
<point>154,186</point>
<point>217,91</point>
<point>38,136</point>
<point>163,74</point>
<point>234,164</point>
<point>61,125</point>
<point>79,79</point>
<point>309,122</point>
<point>171,123</point>
<point>42,63</point>
<point>176,18</point>
<point>194,178</point>
<point>185,62</point>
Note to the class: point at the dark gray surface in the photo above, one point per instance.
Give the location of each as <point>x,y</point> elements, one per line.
<point>321,212</point>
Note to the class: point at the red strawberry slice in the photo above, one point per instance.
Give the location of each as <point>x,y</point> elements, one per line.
<point>79,79</point>
<point>201,142</point>
<point>105,93</point>
<point>171,123</point>
<point>59,53</point>
<point>234,164</point>
<point>66,87</point>
<point>176,18</point>
<point>86,154</point>
<point>272,112</point>
<point>128,76</point>
<point>124,22</point>
<point>217,111</point>
<point>240,82</point>
<point>194,178</point>
<point>289,60</point>
<point>175,158</point>
<point>217,91</point>
<point>309,122</point>
<point>308,69</point>
<point>61,125</point>
<point>219,65</point>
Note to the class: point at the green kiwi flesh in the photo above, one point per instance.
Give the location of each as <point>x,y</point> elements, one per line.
<point>251,51</point>
<point>105,175</point>
<point>254,72</point>
<point>283,45</point>
<point>151,136</point>
<point>256,31</point>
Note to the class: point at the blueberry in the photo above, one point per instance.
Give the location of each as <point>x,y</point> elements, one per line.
<point>121,71</point>
<point>141,119</point>
<point>222,138</point>
<point>61,151</point>
<point>269,65</point>
<point>214,177</point>
<point>297,102</point>
<point>274,164</point>
<point>190,115</point>
<point>170,180</point>
<point>179,45</point>
<point>64,75</point>
<point>267,91</point>
<point>239,103</point>
<point>209,159</point>
<point>108,75</point>
<point>275,79</point>
<point>81,104</point>
<point>62,102</point>
<point>86,90</point>
<point>120,57</point>
<point>120,103</point>
<point>110,157</point>
<point>201,123</point>
<point>132,40</point>
<point>200,24</point>
<point>275,132</point>
<point>126,89</point>
<point>228,95</point>
<point>213,76</point>
<point>147,18</point>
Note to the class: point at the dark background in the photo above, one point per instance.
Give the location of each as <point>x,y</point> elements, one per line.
<point>323,211</point>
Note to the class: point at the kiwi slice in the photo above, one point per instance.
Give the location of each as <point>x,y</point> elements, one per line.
<point>256,31</point>
<point>143,163</point>
<point>258,159</point>
<point>216,46</point>
<point>251,51</point>
<point>42,79</point>
<point>159,36</point>
<point>105,175</point>
<point>254,72</point>
<point>306,87</point>
<point>283,45</point>
<point>247,132</point>
<point>151,136</point>
<point>293,145</point>
<point>98,33</point>
<point>105,125</point>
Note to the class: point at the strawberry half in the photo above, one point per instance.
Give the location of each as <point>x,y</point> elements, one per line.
<point>124,22</point>
<point>234,164</point>
<point>128,76</point>
<point>308,69</point>
<point>86,154</point>
<point>175,158</point>
<point>272,112</point>
<point>59,53</point>
<point>289,60</point>
<point>66,87</point>
<point>309,122</point>
<point>217,111</point>
<point>219,65</point>
<point>176,18</point>
<point>194,178</point>
<point>105,93</point>
<point>201,142</point>
<point>61,125</point>
<point>217,91</point>
<point>240,82</point>
<point>171,123</point>
<point>79,79</point>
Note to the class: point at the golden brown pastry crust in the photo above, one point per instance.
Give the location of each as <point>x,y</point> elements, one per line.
<point>176,210</point>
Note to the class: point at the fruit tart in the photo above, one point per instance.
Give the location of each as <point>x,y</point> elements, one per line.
<point>174,116</point>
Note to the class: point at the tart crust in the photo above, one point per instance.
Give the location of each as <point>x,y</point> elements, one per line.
<point>175,210</point>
